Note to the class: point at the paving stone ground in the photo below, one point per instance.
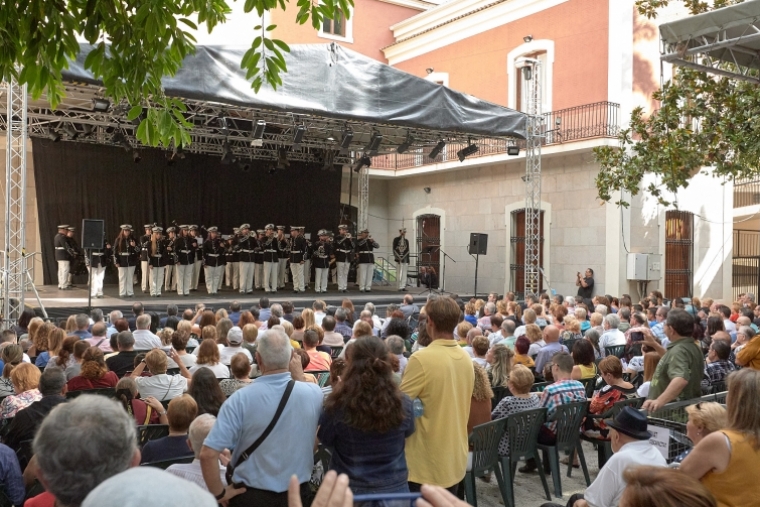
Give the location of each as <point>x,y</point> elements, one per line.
<point>528,489</point>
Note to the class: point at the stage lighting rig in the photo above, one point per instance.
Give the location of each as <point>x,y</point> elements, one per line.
<point>404,147</point>
<point>298,135</point>
<point>345,141</point>
<point>227,156</point>
<point>70,131</point>
<point>374,144</point>
<point>258,133</point>
<point>101,105</point>
<point>119,138</point>
<point>364,160</point>
<point>438,149</point>
<point>53,135</point>
<point>468,150</point>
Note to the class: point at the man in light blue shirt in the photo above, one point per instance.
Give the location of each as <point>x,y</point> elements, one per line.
<point>263,478</point>
<point>551,337</point>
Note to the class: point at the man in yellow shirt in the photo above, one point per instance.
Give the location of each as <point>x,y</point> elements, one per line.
<point>441,376</point>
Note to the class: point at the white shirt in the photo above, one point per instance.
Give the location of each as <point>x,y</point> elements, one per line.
<point>480,361</point>
<point>227,352</point>
<point>610,338</point>
<point>162,387</point>
<point>318,317</point>
<point>192,472</point>
<point>535,348</point>
<point>220,370</point>
<point>145,340</point>
<point>608,486</point>
<point>730,326</point>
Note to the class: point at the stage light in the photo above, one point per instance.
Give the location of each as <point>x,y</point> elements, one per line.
<point>345,142</point>
<point>52,135</point>
<point>282,159</point>
<point>227,156</point>
<point>118,138</point>
<point>70,131</point>
<point>527,38</point>
<point>136,156</point>
<point>438,149</point>
<point>364,160</point>
<point>258,133</point>
<point>374,144</point>
<point>513,150</point>
<point>101,105</point>
<point>88,130</point>
<point>298,134</point>
<point>468,150</point>
<point>404,147</point>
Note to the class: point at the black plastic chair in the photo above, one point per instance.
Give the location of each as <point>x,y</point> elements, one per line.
<point>172,371</point>
<point>615,350</point>
<point>166,463</point>
<point>718,387</point>
<point>4,500</point>
<point>24,453</point>
<point>109,392</point>
<point>589,384</point>
<point>335,352</point>
<point>522,429</point>
<point>604,447</point>
<point>148,432</point>
<point>499,393</point>
<point>485,456</point>
<point>539,387</point>
<point>569,343</point>
<point>568,431</point>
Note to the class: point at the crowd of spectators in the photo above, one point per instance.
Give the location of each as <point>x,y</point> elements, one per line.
<point>242,395</point>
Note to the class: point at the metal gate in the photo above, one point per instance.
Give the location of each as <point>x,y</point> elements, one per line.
<point>679,247</point>
<point>745,274</point>
<point>429,242</point>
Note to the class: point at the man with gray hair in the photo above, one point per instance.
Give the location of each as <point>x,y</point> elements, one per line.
<point>341,326</point>
<point>508,332</point>
<point>82,443</point>
<point>144,338</point>
<point>396,345</point>
<point>112,318</point>
<point>601,309</point>
<point>196,435</point>
<point>244,417</point>
<point>24,425</point>
<point>569,303</point>
<point>485,321</point>
<point>612,335</point>
<point>83,326</point>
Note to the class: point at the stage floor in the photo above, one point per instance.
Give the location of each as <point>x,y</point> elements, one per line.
<point>61,303</point>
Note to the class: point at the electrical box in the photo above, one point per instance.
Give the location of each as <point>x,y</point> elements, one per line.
<point>643,266</point>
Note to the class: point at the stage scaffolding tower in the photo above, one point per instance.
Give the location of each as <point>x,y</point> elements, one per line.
<point>362,217</point>
<point>532,73</point>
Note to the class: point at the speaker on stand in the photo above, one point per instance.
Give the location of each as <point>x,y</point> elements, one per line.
<point>478,246</point>
<point>93,238</point>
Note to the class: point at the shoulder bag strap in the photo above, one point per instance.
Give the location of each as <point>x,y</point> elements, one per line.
<point>283,401</point>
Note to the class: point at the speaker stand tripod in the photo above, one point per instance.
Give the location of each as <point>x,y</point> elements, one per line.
<point>442,280</point>
<point>477,259</point>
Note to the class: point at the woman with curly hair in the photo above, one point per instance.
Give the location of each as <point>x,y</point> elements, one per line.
<point>70,356</point>
<point>12,356</point>
<point>499,359</point>
<point>480,403</point>
<point>366,421</point>
<point>93,374</point>
<point>39,348</point>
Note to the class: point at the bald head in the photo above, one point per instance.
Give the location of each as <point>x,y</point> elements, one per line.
<point>743,321</point>
<point>472,333</point>
<point>722,336</point>
<point>551,334</point>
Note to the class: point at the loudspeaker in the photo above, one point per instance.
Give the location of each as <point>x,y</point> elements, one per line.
<point>93,233</point>
<point>478,243</point>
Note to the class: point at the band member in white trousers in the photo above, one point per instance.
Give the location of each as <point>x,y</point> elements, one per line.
<point>364,247</point>
<point>297,257</point>
<point>125,257</point>
<point>401,256</point>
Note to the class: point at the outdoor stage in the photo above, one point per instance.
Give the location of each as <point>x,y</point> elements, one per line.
<point>62,303</point>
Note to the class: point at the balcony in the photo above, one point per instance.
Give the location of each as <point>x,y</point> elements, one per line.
<point>589,121</point>
<point>747,192</point>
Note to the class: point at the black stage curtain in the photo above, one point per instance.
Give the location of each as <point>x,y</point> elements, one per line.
<point>77,181</point>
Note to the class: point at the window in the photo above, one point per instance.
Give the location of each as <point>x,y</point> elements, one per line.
<point>523,86</point>
<point>517,255</point>
<point>335,26</point>
<point>517,89</point>
<point>679,246</point>
<point>340,29</point>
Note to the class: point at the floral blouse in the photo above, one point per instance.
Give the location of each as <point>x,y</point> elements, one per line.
<point>12,404</point>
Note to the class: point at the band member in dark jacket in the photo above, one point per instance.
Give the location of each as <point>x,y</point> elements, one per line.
<point>364,246</point>
<point>159,255</point>
<point>401,256</point>
<point>213,260</point>
<point>76,255</point>
<point>185,248</point>
<point>258,259</point>
<point>62,257</point>
<point>144,264</point>
<point>283,245</point>
<point>232,261</point>
<point>170,273</point>
<point>297,257</point>
<point>196,234</point>
<point>344,245</point>
<point>322,252</point>
<point>101,258</point>
<point>246,244</point>
<point>125,257</point>
<point>271,259</point>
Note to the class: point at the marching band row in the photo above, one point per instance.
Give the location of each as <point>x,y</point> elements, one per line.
<point>247,259</point>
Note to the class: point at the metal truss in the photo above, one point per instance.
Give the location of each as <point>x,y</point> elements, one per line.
<point>363,209</point>
<point>731,49</point>
<point>14,258</point>
<point>533,180</point>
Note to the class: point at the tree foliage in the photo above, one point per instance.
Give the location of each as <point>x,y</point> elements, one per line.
<point>137,42</point>
<point>703,121</point>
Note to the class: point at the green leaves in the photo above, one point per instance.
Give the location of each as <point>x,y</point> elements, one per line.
<point>137,42</point>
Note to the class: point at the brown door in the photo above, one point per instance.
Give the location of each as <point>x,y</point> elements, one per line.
<point>517,242</point>
<point>429,242</point>
<point>679,242</point>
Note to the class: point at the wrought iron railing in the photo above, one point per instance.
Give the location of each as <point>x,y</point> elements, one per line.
<point>747,192</point>
<point>588,121</point>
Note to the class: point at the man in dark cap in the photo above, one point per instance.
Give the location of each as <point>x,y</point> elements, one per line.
<point>364,246</point>
<point>271,259</point>
<point>344,245</point>
<point>283,246</point>
<point>213,260</point>
<point>144,263</point>
<point>185,249</point>
<point>401,256</point>
<point>125,256</point>
<point>62,257</point>
<point>170,273</point>
<point>246,244</point>
<point>297,257</point>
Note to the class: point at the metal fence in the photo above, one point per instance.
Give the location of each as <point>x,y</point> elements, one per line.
<point>746,192</point>
<point>745,273</point>
<point>588,121</point>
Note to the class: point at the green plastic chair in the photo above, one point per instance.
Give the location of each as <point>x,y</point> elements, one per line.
<point>569,418</point>
<point>485,456</point>
<point>522,429</point>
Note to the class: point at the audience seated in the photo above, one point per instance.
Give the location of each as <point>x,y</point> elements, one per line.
<point>122,363</point>
<point>704,418</point>
<point>366,422</point>
<point>25,379</point>
<point>583,357</point>
<point>206,391</point>
<point>480,402</point>
<point>197,433</point>
<point>208,357</point>
<point>147,411</point>
<point>651,360</point>
<point>519,383</point>
<point>159,385</point>
<point>319,361</point>
<point>551,347</point>
<point>234,346</point>
<point>499,359</point>
<point>240,367</point>
<point>12,355</point>
<point>647,486</point>
<point>614,390</point>
<point>93,373</point>
<point>717,365</point>
<point>180,413</point>
<point>522,347</point>
<point>480,346</point>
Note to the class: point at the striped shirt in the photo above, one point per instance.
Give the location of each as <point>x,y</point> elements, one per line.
<point>560,393</point>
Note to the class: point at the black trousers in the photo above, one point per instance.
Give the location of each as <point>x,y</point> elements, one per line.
<point>262,498</point>
<point>573,499</point>
<point>414,487</point>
